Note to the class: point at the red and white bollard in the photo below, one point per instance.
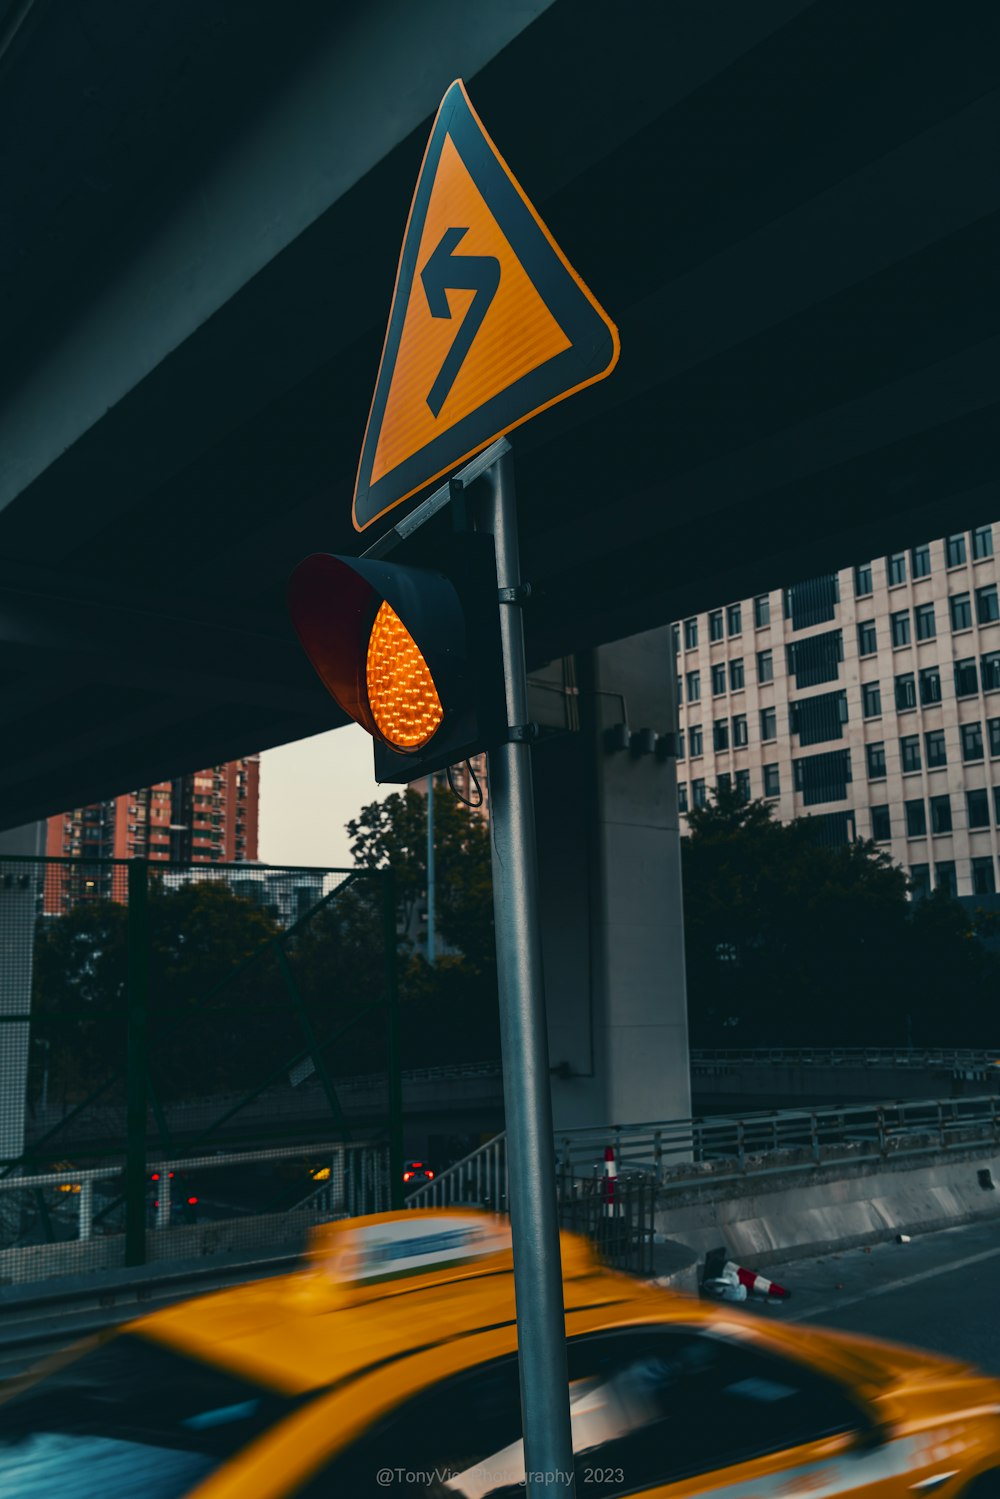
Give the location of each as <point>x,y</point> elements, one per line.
<point>757,1285</point>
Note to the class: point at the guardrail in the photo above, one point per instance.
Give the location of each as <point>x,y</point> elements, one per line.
<point>73,1203</point>
<point>672,1151</point>
<point>949,1058</point>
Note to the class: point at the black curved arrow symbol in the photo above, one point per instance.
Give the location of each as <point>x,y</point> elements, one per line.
<point>444,269</point>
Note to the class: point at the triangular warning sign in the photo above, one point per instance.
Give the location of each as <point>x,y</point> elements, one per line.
<point>489,322</point>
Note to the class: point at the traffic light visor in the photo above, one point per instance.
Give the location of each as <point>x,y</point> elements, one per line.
<point>412,654</point>
<point>359,623</point>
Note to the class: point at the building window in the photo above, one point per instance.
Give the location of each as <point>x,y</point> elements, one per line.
<point>690,634</point>
<point>718,678</point>
<point>996,804</point>
<point>734,619</point>
<point>909,751</point>
<point>715,625</point>
<point>682,796</point>
<point>762,610</point>
<point>987,605</point>
<point>768,723</point>
<point>772,781</point>
<point>900,624</point>
<point>675,634</point>
<point>944,877</point>
<point>743,785</point>
<point>972,742</point>
<point>954,551</point>
<point>982,542</point>
<point>741,738</point>
<point>724,782</point>
<point>983,877</point>
<point>765,666</point>
<point>937,754</point>
<point>694,686</point>
<point>698,796</point>
<point>991,671</point>
<point>966,679</point>
<point>920,561</point>
<point>961,611</point>
<point>978,806</point>
<point>881,826</point>
<point>920,879</point>
<point>993,726</point>
<point>923,616</point>
<point>940,814</point>
<point>875,754</point>
<point>906,692</point>
<point>871,700</point>
<point>680,689</point>
<point>862,580</point>
<point>720,734</point>
<point>867,638</point>
<point>916,819</point>
<point>680,744</point>
<point>695,737</point>
<point>930,686</point>
<point>895,568</point>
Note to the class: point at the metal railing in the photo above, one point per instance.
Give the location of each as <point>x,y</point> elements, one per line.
<point>673,1152</point>
<point>949,1058</point>
<point>350,1179</point>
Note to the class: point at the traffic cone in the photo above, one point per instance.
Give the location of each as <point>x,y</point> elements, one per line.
<point>757,1285</point>
<point>610,1188</point>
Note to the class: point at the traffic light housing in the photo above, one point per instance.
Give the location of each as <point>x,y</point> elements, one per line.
<point>412,654</point>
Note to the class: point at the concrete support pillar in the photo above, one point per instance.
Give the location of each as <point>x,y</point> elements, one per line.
<point>609,853</point>
<point>20,887</point>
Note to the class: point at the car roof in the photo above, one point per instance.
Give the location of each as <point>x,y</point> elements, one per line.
<point>294,1334</point>
<point>325,1324</point>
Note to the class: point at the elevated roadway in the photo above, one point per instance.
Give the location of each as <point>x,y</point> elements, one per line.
<point>728,1080</point>
<point>786,206</point>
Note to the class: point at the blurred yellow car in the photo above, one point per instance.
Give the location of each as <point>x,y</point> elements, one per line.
<point>389,1364</point>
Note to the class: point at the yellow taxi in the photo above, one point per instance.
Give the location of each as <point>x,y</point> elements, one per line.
<point>388,1365</point>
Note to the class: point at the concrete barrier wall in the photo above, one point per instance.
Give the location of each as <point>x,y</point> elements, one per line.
<point>803,1212</point>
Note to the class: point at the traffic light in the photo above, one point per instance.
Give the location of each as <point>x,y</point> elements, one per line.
<point>412,654</point>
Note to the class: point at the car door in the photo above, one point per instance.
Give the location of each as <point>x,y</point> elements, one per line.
<point>656,1409</point>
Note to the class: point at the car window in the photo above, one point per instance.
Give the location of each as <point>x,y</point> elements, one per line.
<point>648,1406</point>
<point>129,1418</point>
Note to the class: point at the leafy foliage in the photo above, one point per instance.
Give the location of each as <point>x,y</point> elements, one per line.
<point>449,1012</point>
<point>790,942</point>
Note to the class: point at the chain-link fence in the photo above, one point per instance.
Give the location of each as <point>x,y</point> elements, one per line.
<point>154,1013</point>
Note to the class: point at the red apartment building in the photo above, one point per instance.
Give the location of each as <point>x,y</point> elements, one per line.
<point>208,817</point>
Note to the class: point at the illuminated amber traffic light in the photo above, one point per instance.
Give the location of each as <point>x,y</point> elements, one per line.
<point>411,654</point>
<point>401,692</point>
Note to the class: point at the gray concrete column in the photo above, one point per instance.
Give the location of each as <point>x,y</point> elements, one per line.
<point>609,853</point>
<point>19,903</point>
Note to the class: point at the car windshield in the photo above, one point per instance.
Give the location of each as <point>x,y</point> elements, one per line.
<point>128,1418</point>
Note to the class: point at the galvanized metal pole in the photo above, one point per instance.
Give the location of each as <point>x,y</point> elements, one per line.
<point>541,1323</point>
<point>431,950</point>
<point>393,1059</point>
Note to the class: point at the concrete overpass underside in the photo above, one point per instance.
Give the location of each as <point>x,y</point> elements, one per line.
<point>786,206</point>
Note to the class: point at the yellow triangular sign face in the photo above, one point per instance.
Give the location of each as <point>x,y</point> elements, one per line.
<point>489,323</point>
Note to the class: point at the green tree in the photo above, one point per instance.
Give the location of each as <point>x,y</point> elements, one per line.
<point>790,941</point>
<point>449,1012</point>
<point>218,1007</point>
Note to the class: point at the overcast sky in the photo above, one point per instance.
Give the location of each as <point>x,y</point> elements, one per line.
<point>309,791</point>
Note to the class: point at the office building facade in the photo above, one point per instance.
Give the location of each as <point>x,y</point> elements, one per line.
<point>868,698</point>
